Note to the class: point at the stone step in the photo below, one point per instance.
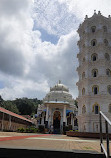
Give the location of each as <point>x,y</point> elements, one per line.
<point>29,153</point>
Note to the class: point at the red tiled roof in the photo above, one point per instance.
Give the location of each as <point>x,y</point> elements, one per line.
<point>14,114</point>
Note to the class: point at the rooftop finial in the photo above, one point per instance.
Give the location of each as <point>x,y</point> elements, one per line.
<point>86,17</point>
<point>59,81</point>
<point>94,11</point>
<point>99,12</point>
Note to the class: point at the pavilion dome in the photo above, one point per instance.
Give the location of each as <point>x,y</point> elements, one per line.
<point>59,87</point>
<point>59,94</point>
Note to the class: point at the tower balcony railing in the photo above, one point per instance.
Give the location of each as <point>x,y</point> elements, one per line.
<point>107,122</point>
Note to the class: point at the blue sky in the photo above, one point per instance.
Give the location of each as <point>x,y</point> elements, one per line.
<point>38,44</point>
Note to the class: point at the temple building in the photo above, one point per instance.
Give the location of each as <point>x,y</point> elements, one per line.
<point>94,72</point>
<point>10,121</point>
<point>58,109</point>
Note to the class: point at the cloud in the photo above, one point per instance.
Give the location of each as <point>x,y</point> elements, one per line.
<point>86,7</point>
<point>31,62</point>
<point>54,18</point>
<point>14,36</point>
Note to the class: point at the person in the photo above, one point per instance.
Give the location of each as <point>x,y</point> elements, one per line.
<point>51,129</point>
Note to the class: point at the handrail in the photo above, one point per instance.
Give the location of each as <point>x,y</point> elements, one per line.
<point>107,121</point>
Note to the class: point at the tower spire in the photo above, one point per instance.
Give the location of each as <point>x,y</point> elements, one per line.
<point>59,81</point>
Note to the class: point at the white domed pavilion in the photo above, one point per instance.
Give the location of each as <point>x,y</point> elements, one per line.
<point>58,109</point>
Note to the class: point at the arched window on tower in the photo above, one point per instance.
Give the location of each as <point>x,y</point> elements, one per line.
<point>93,42</point>
<point>83,75</point>
<point>107,57</point>
<point>109,89</point>
<point>94,72</point>
<point>108,72</point>
<point>84,59</point>
<point>104,28</point>
<point>96,108</point>
<point>109,108</point>
<point>93,29</point>
<point>83,109</point>
<point>83,91</point>
<point>105,42</point>
<point>94,57</point>
<point>95,89</point>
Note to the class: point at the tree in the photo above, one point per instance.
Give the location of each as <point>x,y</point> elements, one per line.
<point>9,105</point>
<point>1,101</point>
<point>25,106</point>
<point>76,103</point>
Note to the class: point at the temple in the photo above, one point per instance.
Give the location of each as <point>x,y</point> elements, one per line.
<point>58,109</point>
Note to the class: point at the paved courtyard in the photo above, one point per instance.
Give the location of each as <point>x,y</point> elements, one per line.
<point>46,141</point>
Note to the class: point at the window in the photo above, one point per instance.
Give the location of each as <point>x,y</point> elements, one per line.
<point>93,29</point>
<point>105,42</point>
<point>95,89</point>
<point>109,108</point>
<point>94,57</point>
<point>93,42</point>
<point>94,72</point>
<point>83,91</point>
<point>83,109</point>
<point>107,57</point>
<point>84,59</point>
<point>96,109</point>
<point>108,72</point>
<point>104,28</point>
<point>109,89</point>
<point>83,75</point>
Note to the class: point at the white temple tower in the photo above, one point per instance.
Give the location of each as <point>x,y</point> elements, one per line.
<point>94,71</point>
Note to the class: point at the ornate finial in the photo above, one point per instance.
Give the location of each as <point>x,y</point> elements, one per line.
<point>94,11</point>
<point>86,17</point>
<point>99,12</point>
<point>59,81</point>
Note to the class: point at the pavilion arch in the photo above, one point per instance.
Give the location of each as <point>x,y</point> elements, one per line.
<point>95,108</point>
<point>69,118</point>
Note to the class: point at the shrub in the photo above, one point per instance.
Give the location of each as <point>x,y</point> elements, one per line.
<point>69,127</point>
<point>41,128</point>
<point>21,130</point>
<point>66,128</point>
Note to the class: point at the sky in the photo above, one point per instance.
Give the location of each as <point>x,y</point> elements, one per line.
<point>38,44</point>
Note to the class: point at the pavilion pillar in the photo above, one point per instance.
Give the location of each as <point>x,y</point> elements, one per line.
<point>3,121</point>
<point>10,122</point>
<point>64,117</point>
<point>47,112</point>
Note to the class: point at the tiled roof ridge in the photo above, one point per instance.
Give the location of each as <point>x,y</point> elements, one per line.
<point>13,114</point>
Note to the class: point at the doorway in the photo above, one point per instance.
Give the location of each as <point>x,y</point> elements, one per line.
<point>56,122</point>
